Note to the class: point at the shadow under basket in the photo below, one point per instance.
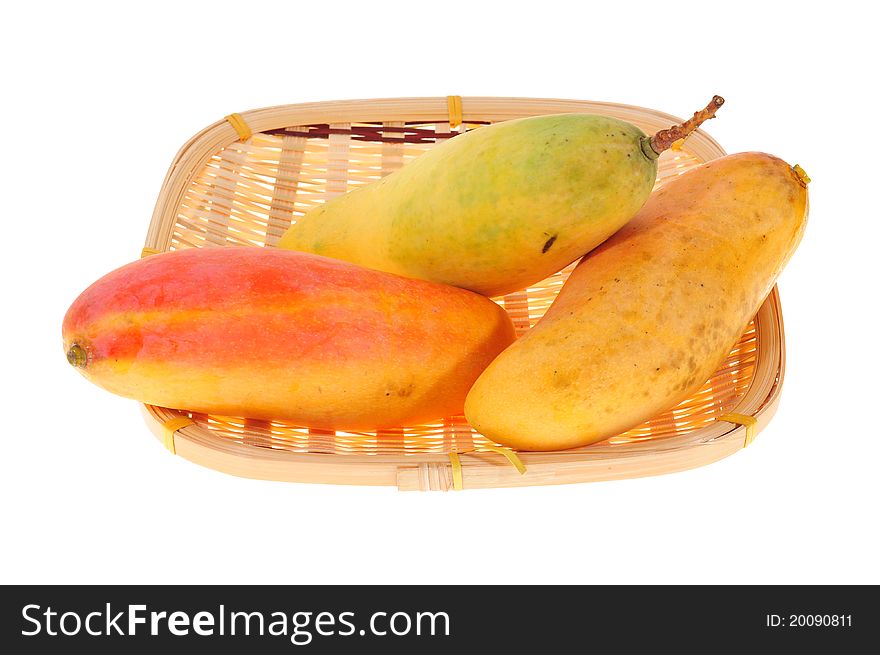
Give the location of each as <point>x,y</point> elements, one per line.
<point>241,181</point>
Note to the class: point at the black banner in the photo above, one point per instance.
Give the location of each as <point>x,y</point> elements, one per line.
<point>334,619</point>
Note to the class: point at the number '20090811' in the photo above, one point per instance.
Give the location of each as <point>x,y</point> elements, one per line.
<point>810,621</point>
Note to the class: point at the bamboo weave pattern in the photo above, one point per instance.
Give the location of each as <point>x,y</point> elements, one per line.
<point>248,194</point>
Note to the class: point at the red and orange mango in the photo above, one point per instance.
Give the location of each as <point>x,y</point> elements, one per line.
<point>269,334</point>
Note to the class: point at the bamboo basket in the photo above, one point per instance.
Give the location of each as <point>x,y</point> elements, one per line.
<point>242,180</point>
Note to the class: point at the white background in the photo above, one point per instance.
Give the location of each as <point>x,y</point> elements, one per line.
<point>97,100</point>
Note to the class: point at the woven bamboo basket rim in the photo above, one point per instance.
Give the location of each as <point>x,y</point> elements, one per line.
<point>203,202</point>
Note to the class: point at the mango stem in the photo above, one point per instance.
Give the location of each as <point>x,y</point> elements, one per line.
<point>665,138</point>
<point>77,356</point>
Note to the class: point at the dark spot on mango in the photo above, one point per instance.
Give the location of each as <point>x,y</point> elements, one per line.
<point>548,244</point>
<point>563,379</point>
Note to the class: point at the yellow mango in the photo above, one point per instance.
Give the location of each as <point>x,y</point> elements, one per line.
<point>498,208</point>
<point>645,319</point>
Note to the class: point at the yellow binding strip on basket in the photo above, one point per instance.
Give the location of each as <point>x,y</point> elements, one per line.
<point>172,426</point>
<point>507,453</point>
<point>750,423</point>
<point>453,103</point>
<point>511,456</point>
<point>146,252</point>
<point>457,482</point>
<point>244,132</point>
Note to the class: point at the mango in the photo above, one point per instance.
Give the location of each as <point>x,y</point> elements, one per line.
<point>645,319</point>
<point>274,334</point>
<point>497,208</point>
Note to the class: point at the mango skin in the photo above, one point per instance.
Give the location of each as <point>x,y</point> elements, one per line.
<point>493,210</point>
<point>274,334</point>
<point>645,319</point>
